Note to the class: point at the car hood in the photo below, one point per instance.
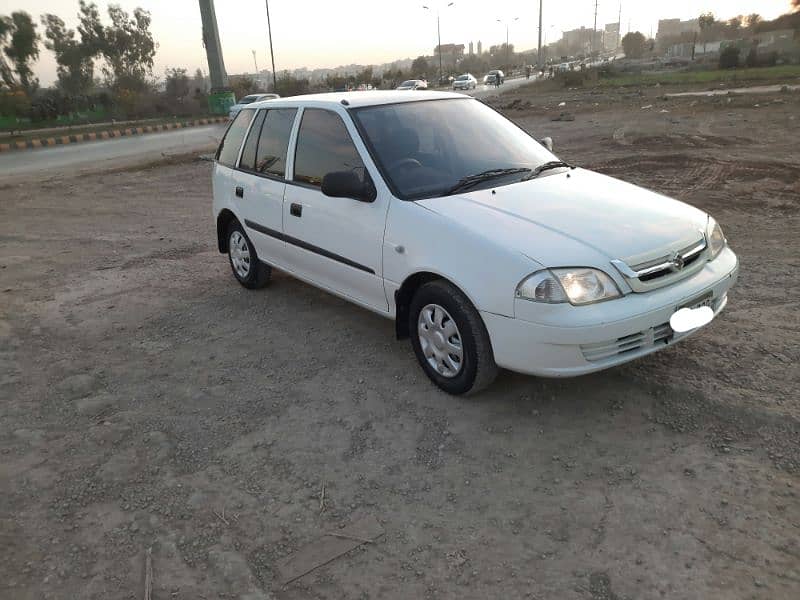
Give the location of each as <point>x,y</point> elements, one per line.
<point>576,218</point>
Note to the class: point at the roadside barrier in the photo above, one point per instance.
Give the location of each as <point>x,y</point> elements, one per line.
<point>77,138</point>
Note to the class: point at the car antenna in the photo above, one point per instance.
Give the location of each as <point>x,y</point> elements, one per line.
<point>345,102</point>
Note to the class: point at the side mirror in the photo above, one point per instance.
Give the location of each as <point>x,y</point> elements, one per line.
<point>346,184</point>
<point>547,143</point>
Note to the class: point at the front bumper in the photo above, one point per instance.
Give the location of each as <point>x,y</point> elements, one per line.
<point>566,340</point>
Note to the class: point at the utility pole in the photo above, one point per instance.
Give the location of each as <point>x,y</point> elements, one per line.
<point>255,62</point>
<point>216,66</point>
<point>539,55</point>
<point>220,97</point>
<point>271,53</point>
<point>594,29</point>
<point>619,27</point>
<point>438,37</point>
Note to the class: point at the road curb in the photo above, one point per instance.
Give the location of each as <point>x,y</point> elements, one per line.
<point>78,138</point>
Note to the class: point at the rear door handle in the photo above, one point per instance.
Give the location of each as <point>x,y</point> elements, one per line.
<point>239,191</point>
<point>296,210</point>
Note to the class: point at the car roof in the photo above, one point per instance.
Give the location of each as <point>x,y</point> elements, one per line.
<point>354,99</point>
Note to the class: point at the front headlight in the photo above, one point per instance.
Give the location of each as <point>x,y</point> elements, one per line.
<point>716,239</point>
<point>575,285</point>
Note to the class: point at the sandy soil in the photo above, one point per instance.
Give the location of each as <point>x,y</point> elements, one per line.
<point>148,401</point>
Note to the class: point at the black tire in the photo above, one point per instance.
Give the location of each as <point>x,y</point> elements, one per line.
<point>258,274</point>
<point>478,369</point>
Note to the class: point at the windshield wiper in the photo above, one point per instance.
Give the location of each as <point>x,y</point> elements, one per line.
<point>553,164</point>
<point>471,180</point>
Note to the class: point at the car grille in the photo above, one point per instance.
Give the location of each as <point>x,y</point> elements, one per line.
<point>664,270</point>
<point>635,342</point>
<point>642,341</point>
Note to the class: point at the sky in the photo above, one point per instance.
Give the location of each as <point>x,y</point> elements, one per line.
<point>329,33</point>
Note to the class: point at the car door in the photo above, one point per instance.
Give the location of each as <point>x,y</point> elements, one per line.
<point>227,158</point>
<point>259,182</point>
<point>335,242</point>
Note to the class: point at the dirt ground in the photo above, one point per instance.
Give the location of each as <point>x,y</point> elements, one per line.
<point>148,401</point>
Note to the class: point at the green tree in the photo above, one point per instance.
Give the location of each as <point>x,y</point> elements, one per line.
<point>243,85</point>
<point>706,22</point>
<point>199,82</point>
<point>75,65</point>
<point>128,48</point>
<point>634,44</point>
<point>365,76</point>
<point>753,20</point>
<point>177,84</point>
<point>6,72</point>
<point>90,28</point>
<point>729,57</point>
<point>420,66</point>
<point>289,85</point>
<point>21,45</point>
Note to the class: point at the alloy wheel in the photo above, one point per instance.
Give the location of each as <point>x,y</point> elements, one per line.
<point>240,254</point>
<point>440,340</point>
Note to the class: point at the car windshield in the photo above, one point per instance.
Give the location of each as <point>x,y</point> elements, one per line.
<point>407,83</point>
<point>462,77</point>
<point>425,148</point>
<point>248,99</point>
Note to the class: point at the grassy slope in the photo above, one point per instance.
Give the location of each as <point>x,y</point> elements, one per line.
<point>763,74</point>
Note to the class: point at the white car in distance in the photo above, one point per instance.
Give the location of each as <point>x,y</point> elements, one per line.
<point>413,84</point>
<point>486,255</point>
<point>465,82</point>
<point>247,100</point>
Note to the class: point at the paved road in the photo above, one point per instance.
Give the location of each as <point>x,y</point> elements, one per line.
<point>106,154</point>
<point>100,155</point>
<point>484,91</point>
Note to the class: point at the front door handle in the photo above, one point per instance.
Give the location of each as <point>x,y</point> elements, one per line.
<point>296,210</point>
<point>239,191</point>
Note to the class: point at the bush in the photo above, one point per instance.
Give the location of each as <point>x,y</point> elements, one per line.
<point>729,58</point>
<point>14,103</point>
<point>752,57</point>
<point>572,78</point>
<point>770,60</point>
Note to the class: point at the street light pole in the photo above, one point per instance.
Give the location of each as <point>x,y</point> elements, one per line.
<point>539,55</point>
<point>271,53</point>
<point>507,48</point>
<point>438,38</point>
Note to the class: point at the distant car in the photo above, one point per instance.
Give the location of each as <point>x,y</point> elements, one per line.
<point>492,75</point>
<point>465,82</point>
<point>413,84</point>
<point>249,99</point>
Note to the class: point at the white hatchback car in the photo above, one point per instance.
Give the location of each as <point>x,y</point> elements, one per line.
<point>465,82</point>
<point>413,84</point>
<point>486,255</point>
<point>248,100</point>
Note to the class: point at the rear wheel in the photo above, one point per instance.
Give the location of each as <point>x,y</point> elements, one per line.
<point>246,267</point>
<point>450,340</point>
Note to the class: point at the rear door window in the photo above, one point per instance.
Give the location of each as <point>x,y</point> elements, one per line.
<point>228,150</point>
<point>273,143</point>
<point>248,159</point>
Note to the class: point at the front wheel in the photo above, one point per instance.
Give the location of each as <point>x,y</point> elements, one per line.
<point>450,339</point>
